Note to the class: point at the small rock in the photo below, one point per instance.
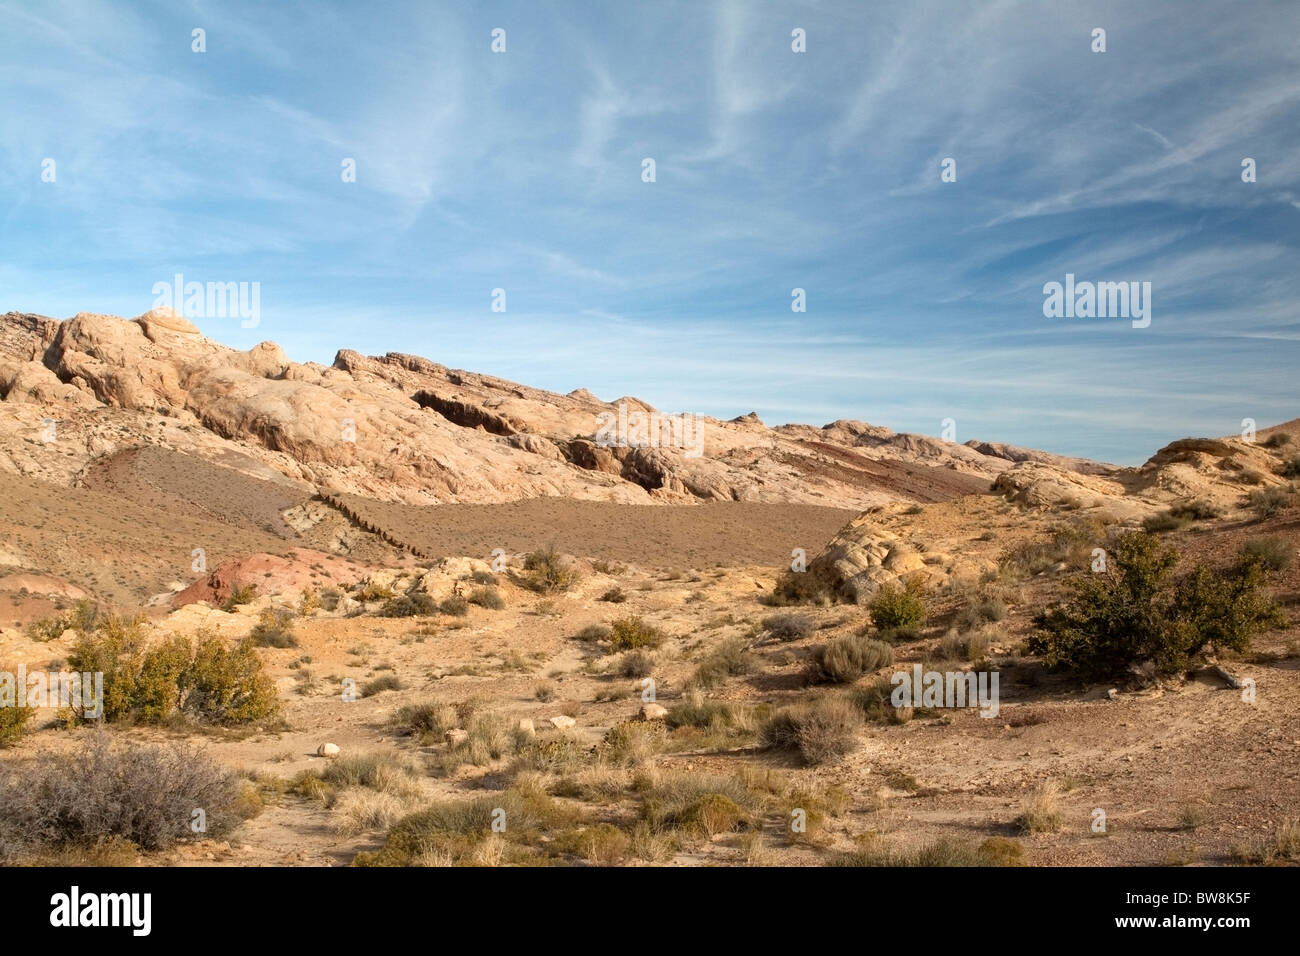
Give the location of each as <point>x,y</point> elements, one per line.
<point>526,726</point>
<point>327,750</point>
<point>455,737</point>
<point>653,711</point>
<point>1113,694</point>
<point>562,722</point>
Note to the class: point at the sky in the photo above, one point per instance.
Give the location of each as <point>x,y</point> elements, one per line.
<point>774,170</point>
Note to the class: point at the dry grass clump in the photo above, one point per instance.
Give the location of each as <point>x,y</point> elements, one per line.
<point>964,647</point>
<point>844,659</point>
<point>381,684</point>
<point>1282,847</point>
<point>274,628</point>
<point>822,731</point>
<point>731,658</point>
<point>1043,812</point>
<point>491,830</point>
<point>630,743</point>
<point>698,805</point>
<point>946,851</point>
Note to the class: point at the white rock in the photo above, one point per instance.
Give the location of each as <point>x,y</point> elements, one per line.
<point>327,750</point>
<point>456,737</point>
<point>526,726</point>
<point>653,711</point>
<point>562,722</point>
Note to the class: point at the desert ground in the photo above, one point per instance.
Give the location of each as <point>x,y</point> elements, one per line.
<point>473,615</point>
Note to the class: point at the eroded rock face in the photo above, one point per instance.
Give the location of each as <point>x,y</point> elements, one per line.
<point>403,428</point>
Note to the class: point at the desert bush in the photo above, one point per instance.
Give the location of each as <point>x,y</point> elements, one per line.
<point>895,606</point>
<point>483,577</point>
<point>1272,554</point>
<point>372,591</point>
<point>844,659</point>
<point>416,604</point>
<point>104,791</point>
<point>489,598</point>
<point>1135,612</point>
<point>428,721</point>
<point>594,633</point>
<point>631,743</point>
<point>821,731</point>
<point>806,587</point>
<point>1163,522</point>
<point>309,602</point>
<point>550,572</point>
<point>47,629</point>
<point>381,684</point>
<point>274,628</point>
<point>700,804</point>
<point>329,598</point>
<point>1070,544</point>
<point>454,606</point>
<point>787,627</point>
<point>206,682</point>
<point>1266,502</point>
<point>731,658</point>
<point>631,633</point>
<point>696,710</point>
<point>545,692</point>
<point>964,647</point>
<point>239,594</point>
<point>614,596</point>
<point>1291,469</point>
<point>1196,509</point>
<point>13,723</point>
<point>635,664</point>
<point>1278,440</point>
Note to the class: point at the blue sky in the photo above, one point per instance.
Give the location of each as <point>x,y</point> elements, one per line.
<point>774,170</point>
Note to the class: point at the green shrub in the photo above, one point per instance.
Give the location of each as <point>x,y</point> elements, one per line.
<point>206,681</point>
<point>13,722</point>
<point>894,606</point>
<point>630,633</point>
<point>274,628</point>
<point>239,594</point>
<point>844,659</point>
<point>550,572</point>
<point>1135,612</point>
